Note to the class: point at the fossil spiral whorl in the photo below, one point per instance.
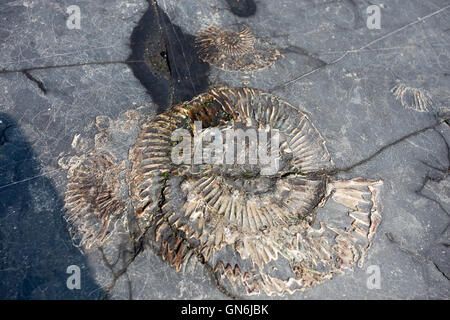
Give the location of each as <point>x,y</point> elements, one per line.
<point>235,50</point>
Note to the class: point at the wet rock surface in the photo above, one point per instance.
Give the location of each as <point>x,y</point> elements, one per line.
<point>55,83</point>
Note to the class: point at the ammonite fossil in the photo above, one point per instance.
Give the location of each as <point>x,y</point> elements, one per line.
<point>412,98</point>
<point>232,50</point>
<point>260,230</point>
<point>92,198</point>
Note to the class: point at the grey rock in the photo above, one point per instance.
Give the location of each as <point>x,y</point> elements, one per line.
<point>335,68</point>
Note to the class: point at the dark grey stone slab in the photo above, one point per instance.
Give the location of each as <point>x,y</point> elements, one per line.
<point>334,68</point>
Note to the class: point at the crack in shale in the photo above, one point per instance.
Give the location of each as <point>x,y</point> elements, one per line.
<point>414,254</point>
<point>39,83</point>
<point>389,145</point>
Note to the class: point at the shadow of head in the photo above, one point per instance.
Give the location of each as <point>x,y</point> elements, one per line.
<point>165,60</point>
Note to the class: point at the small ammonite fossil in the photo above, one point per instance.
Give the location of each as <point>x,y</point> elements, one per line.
<point>92,198</point>
<point>260,230</point>
<point>233,50</point>
<point>412,98</point>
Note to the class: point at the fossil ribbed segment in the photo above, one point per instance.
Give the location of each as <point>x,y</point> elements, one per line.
<point>235,50</point>
<point>412,98</point>
<point>304,255</point>
<point>93,198</point>
<point>259,230</point>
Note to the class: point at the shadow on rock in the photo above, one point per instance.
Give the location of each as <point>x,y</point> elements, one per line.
<point>242,8</point>
<point>165,60</point>
<point>35,247</point>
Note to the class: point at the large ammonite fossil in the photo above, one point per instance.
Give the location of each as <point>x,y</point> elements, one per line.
<point>258,229</point>
<point>232,50</point>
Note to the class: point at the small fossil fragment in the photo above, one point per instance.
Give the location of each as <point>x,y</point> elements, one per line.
<point>232,50</point>
<point>258,230</point>
<point>92,198</point>
<point>412,98</point>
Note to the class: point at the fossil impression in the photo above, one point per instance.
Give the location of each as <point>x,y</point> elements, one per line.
<point>232,50</point>
<point>260,232</point>
<point>412,98</point>
<point>91,198</point>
